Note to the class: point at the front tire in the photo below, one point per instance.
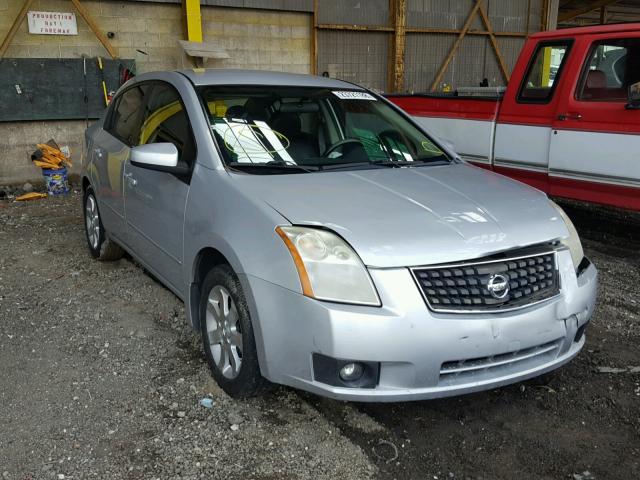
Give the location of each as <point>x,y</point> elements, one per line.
<point>100,245</point>
<point>227,335</point>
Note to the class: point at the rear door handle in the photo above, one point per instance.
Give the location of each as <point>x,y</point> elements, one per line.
<point>569,116</point>
<point>132,181</point>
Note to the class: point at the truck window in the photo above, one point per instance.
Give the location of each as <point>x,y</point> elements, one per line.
<point>610,67</point>
<point>543,72</point>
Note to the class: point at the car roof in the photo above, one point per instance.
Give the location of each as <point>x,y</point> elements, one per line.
<point>219,76</point>
<point>589,30</point>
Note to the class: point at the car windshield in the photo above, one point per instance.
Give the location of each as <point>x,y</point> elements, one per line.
<point>274,129</point>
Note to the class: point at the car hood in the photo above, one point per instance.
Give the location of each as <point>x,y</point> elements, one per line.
<point>414,216</point>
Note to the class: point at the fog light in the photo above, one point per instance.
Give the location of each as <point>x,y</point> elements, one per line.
<point>351,372</point>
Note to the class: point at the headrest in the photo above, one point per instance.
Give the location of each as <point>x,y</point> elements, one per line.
<point>596,79</point>
<point>289,124</point>
<point>235,111</point>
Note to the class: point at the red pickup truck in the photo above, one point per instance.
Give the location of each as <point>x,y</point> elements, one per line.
<point>568,122</point>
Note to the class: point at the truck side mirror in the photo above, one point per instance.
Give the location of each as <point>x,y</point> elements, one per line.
<point>634,97</point>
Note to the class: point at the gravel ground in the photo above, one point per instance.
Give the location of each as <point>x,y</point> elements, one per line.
<point>101,378</point>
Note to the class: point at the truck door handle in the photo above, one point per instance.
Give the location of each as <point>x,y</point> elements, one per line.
<point>569,116</point>
<point>132,181</point>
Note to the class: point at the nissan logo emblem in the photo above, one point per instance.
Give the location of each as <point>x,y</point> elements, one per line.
<point>498,286</point>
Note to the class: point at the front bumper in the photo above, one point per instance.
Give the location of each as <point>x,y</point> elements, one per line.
<point>421,354</point>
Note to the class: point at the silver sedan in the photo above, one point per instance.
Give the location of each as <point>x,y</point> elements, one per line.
<point>321,239</point>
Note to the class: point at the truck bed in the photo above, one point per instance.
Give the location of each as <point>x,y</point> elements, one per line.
<point>467,123</point>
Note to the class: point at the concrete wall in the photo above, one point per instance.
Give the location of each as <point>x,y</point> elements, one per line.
<point>255,39</point>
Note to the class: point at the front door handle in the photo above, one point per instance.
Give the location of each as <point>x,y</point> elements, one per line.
<point>132,181</point>
<point>569,116</point>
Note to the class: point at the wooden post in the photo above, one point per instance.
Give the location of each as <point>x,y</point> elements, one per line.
<point>494,44</point>
<point>84,13</point>
<point>544,15</point>
<point>594,5</point>
<point>314,39</point>
<point>454,48</point>
<point>399,42</point>
<point>603,15</point>
<point>14,27</point>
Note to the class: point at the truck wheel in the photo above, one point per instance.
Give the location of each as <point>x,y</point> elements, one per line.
<point>227,335</point>
<point>100,245</point>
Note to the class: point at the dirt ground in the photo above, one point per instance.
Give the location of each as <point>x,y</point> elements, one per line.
<point>100,377</point>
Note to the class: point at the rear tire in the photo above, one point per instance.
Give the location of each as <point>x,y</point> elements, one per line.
<point>227,335</point>
<point>100,245</point>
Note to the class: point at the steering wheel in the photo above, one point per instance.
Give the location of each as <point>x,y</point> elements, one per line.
<point>339,144</point>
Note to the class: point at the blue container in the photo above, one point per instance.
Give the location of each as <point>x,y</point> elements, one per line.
<point>56,181</point>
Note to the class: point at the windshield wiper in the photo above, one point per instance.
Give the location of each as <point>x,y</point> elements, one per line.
<point>384,163</point>
<point>412,163</point>
<point>279,166</point>
<point>339,166</point>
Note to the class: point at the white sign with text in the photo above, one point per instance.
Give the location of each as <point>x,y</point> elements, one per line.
<point>52,23</point>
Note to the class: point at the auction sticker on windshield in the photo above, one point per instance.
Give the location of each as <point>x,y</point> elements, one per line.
<point>351,95</point>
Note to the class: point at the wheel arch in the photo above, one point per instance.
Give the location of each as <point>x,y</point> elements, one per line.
<point>206,259</point>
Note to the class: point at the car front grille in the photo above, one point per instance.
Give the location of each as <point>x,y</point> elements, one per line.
<point>489,285</point>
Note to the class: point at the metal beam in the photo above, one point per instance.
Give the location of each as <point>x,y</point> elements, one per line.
<point>453,31</point>
<point>568,15</point>
<point>14,27</point>
<point>192,20</point>
<point>358,28</point>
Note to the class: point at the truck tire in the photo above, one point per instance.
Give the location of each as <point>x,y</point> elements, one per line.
<point>227,335</point>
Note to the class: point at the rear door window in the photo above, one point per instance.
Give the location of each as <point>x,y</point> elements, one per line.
<point>543,72</point>
<point>610,68</point>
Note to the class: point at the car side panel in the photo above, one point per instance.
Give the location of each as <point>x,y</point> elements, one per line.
<point>220,216</point>
<point>106,174</point>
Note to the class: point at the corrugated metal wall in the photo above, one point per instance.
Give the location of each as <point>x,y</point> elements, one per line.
<point>359,57</point>
<point>363,56</point>
<point>354,12</point>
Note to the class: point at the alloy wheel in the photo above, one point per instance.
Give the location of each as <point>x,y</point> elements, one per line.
<point>224,332</point>
<point>92,220</point>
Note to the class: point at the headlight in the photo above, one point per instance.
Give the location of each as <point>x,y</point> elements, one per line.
<point>572,242</point>
<point>328,267</point>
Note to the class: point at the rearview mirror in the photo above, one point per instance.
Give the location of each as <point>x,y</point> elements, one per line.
<point>634,97</point>
<point>156,156</point>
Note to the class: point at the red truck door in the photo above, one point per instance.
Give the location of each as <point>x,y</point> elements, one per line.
<point>523,130</point>
<point>595,143</point>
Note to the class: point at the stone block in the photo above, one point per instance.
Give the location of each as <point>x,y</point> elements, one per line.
<point>17,51</point>
<point>137,25</point>
<point>45,51</point>
<point>301,32</point>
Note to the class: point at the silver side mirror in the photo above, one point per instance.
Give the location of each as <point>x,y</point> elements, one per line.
<point>634,97</point>
<point>155,155</point>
